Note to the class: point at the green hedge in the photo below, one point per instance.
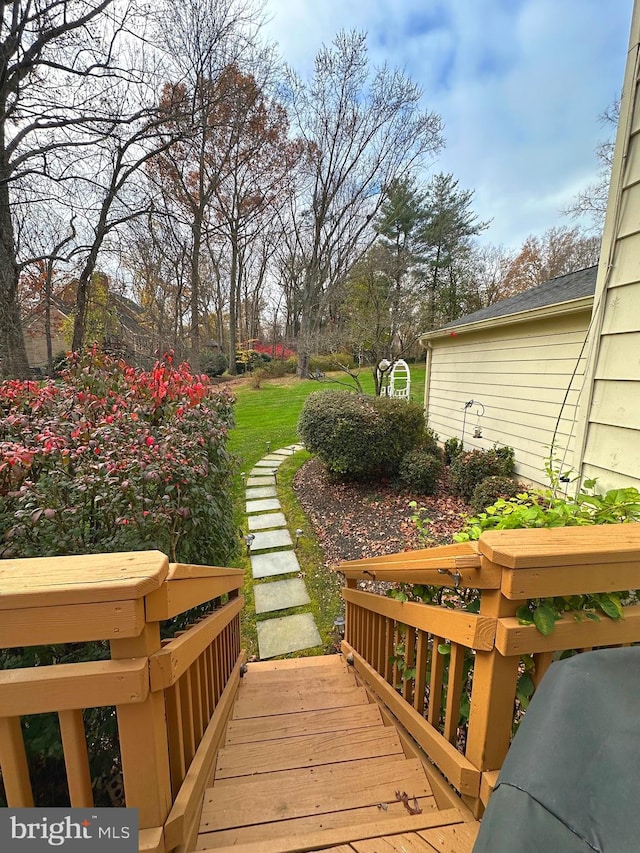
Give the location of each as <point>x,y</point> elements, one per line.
<point>360,437</point>
<point>468,470</point>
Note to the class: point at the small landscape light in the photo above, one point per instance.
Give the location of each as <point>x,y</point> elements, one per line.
<point>268,446</point>
<point>275,475</point>
<point>299,533</point>
<point>249,540</point>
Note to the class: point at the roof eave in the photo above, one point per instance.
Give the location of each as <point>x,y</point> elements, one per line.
<point>558,309</point>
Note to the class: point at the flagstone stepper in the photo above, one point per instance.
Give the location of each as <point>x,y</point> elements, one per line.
<point>261,481</point>
<point>266,540</point>
<point>273,564</point>
<point>266,521</point>
<point>252,494</point>
<point>279,595</point>
<point>276,456</point>
<point>269,463</point>
<point>287,634</point>
<point>265,505</point>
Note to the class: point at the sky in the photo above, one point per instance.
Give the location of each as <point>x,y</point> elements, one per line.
<point>520,86</point>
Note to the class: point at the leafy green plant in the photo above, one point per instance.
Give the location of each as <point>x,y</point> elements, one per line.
<point>359,436</point>
<point>545,508</point>
<point>420,471</point>
<point>214,363</point>
<point>452,447</point>
<point>468,470</point>
<point>490,490</point>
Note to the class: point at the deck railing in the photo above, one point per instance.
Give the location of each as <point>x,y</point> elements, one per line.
<point>450,677</point>
<point>171,697</point>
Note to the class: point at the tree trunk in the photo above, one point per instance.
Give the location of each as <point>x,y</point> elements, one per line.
<point>196,230</point>
<point>13,353</point>
<point>233,293</point>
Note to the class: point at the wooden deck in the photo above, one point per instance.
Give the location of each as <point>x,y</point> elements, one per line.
<point>310,763</point>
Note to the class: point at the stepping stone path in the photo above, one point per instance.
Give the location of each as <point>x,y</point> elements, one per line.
<point>273,555</point>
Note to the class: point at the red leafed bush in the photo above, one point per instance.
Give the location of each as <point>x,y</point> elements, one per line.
<point>110,458</point>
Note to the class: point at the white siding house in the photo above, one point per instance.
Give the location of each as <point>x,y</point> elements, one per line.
<point>609,436</point>
<point>523,361</point>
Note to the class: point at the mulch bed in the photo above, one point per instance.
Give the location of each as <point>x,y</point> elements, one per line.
<point>356,520</point>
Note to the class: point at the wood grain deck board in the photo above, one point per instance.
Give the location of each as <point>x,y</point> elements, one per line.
<point>252,729</point>
<point>306,751</point>
<point>317,790</point>
<point>314,823</point>
<point>266,704</point>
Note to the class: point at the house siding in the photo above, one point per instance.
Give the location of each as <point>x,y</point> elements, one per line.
<point>527,375</point>
<point>610,441</point>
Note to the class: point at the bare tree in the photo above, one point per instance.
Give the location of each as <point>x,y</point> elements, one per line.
<point>362,127</point>
<point>592,201</point>
<point>57,61</point>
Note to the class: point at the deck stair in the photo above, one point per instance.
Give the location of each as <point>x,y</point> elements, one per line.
<point>309,762</point>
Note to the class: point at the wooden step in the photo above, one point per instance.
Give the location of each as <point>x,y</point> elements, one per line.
<point>279,726</point>
<point>395,812</point>
<point>262,703</point>
<point>296,664</point>
<point>345,838</point>
<point>297,793</point>
<point>307,679</point>
<point>306,751</point>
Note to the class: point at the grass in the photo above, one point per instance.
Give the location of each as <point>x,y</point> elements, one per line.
<point>270,414</point>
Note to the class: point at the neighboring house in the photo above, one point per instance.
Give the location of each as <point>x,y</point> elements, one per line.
<point>523,360</point>
<point>130,337</point>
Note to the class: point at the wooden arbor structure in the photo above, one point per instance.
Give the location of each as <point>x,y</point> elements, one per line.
<point>303,754</point>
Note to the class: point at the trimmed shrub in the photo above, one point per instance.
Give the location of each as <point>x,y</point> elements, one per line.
<point>490,490</point>
<point>214,364</point>
<point>332,361</point>
<point>469,469</point>
<point>452,447</point>
<point>291,364</point>
<point>420,471</point>
<point>360,437</point>
<point>430,444</point>
<point>275,369</point>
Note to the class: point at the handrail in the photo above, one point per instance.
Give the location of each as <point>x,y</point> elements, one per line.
<point>435,668</point>
<point>171,697</point>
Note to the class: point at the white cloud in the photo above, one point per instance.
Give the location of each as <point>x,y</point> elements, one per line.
<point>519,83</point>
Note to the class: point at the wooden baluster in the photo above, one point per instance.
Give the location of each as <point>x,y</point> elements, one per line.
<point>454,689</point>
<point>422,649</point>
<point>76,758</point>
<point>175,726</point>
<point>380,643</point>
<point>395,675</point>
<point>196,705</point>
<point>13,760</point>
<point>409,662</point>
<point>435,683</point>
<point>388,650</point>
<point>186,704</point>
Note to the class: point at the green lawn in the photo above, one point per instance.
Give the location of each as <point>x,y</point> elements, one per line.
<point>270,414</point>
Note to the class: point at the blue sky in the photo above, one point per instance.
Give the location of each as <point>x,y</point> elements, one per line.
<point>520,85</point>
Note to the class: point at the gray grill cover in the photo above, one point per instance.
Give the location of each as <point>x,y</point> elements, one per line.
<point>571,780</point>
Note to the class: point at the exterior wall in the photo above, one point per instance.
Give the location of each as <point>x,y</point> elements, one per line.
<point>610,439</point>
<point>527,375</point>
<point>36,342</point>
